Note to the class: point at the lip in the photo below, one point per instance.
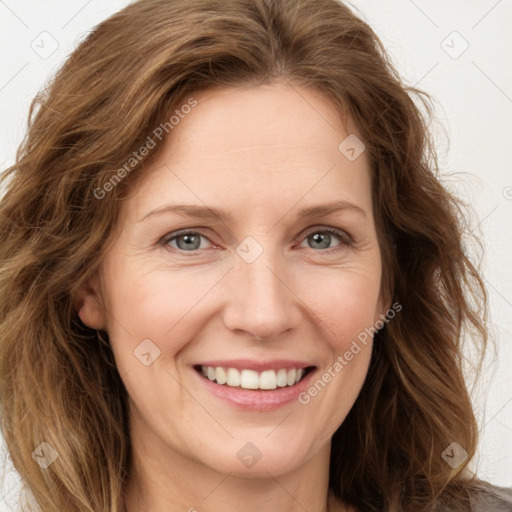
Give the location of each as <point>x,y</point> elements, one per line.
<point>258,366</point>
<point>256,400</point>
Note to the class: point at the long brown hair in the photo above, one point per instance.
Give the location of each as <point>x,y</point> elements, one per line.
<point>58,380</point>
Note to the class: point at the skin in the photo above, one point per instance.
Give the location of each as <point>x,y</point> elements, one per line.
<point>260,153</point>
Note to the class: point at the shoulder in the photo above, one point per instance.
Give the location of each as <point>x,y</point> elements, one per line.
<point>482,497</point>
<point>479,496</point>
<point>491,498</point>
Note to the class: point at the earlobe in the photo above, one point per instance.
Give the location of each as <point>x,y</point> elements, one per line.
<point>387,308</point>
<point>383,312</point>
<point>89,306</point>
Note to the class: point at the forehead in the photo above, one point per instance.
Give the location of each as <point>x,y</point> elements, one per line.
<point>252,146</point>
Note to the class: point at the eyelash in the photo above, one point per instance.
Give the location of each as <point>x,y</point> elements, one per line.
<point>344,238</point>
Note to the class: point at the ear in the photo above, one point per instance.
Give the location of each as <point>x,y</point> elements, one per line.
<point>383,307</point>
<point>386,305</point>
<point>89,305</point>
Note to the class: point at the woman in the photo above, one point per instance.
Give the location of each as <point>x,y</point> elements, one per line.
<point>230,277</point>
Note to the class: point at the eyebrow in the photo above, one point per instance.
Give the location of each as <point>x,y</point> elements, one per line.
<point>204,212</point>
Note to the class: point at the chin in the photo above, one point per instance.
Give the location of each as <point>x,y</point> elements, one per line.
<point>256,458</point>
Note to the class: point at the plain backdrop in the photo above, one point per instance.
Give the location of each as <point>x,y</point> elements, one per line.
<point>459,51</point>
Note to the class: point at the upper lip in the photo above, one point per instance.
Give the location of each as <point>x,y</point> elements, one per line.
<point>259,366</point>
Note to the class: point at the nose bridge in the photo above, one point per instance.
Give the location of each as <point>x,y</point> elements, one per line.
<point>261,302</point>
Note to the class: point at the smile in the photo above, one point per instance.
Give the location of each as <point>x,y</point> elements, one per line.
<point>251,379</point>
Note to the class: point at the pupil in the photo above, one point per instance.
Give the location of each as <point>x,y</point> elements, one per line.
<point>321,239</point>
<point>190,240</point>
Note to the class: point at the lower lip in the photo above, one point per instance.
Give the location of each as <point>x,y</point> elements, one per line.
<point>256,400</point>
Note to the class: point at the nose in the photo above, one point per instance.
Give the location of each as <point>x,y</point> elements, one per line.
<point>261,301</point>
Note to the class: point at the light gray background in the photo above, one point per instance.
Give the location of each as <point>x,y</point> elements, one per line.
<point>427,41</point>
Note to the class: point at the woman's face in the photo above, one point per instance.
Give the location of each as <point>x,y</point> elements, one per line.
<point>263,292</point>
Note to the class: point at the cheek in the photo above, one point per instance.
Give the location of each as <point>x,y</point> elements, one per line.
<point>345,301</point>
<point>162,306</point>
<point>347,308</point>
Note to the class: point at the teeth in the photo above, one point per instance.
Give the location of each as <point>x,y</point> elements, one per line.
<point>268,379</point>
<point>282,377</point>
<point>233,377</point>
<point>250,379</point>
<point>220,375</point>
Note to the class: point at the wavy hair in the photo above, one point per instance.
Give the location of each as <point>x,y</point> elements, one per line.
<point>58,379</point>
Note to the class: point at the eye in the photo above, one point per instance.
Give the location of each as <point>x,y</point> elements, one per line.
<point>185,241</point>
<point>322,238</point>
